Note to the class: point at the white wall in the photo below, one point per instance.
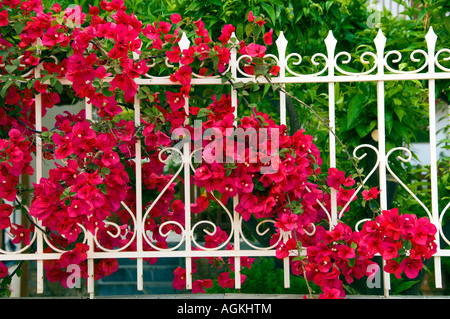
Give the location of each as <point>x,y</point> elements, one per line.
<point>422,150</point>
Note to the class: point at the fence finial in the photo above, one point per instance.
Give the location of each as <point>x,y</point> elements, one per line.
<point>282,46</point>
<point>380,43</point>
<point>330,42</point>
<point>184,42</point>
<point>431,38</point>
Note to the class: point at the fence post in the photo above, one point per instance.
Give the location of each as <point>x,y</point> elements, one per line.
<point>281,46</point>
<point>431,45</point>
<point>380,43</point>
<point>236,217</point>
<point>139,221</point>
<point>330,43</point>
<point>38,117</point>
<point>138,171</point>
<point>89,235</point>
<point>184,44</point>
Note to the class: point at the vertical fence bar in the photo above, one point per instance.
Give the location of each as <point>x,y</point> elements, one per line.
<point>380,43</point>
<point>89,235</point>
<point>330,43</point>
<point>236,217</point>
<point>237,244</point>
<point>187,204</point>
<point>138,171</point>
<point>184,44</point>
<point>282,46</point>
<point>233,68</point>
<point>431,44</point>
<point>40,238</point>
<point>139,222</point>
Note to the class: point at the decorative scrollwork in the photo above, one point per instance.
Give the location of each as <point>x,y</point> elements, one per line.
<point>244,56</point>
<point>299,61</point>
<point>377,163</point>
<point>118,232</point>
<point>260,233</point>
<point>173,151</point>
<point>440,66</point>
<point>405,160</point>
<point>323,207</point>
<point>399,58</point>
<point>211,233</point>
<point>441,217</point>
<point>362,59</point>
<point>2,251</point>
<point>150,66</point>
<point>360,222</point>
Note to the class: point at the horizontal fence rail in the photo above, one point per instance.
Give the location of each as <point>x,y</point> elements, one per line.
<point>378,70</point>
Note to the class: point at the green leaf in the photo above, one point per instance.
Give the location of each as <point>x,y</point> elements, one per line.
<point>18,27</point>
<point>240,30</point>
<point>389,121</point>
<point>239,85</point>
<point>400,112</point>
<point>46,78</point>
<point>106,92</point>
<point>146,89</point>
<point>5,88</point>
<point>355,107</point>
<point>207,93</point>
<point>65,194</point>
<point>270,11</point>
<point>405,286</point>
<point>141,94</point>
<point>249,28</point>
<point>203,112</point>
<point>10,68</point>
<point>58,87</point>
<point>351,262</point>
<point>364,130</point>
<point>103,189</point>
<point>408,245</point>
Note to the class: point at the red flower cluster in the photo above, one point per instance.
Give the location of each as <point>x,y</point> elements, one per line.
<point>15,160</point>
<point>333,256</point>
<point>3,270</point>
<point>90,187</point>
<point>403,240</point>
<point>261,194</point>
<point>72,266</point>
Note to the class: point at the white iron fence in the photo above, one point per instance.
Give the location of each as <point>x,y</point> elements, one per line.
<point>379,71</point>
